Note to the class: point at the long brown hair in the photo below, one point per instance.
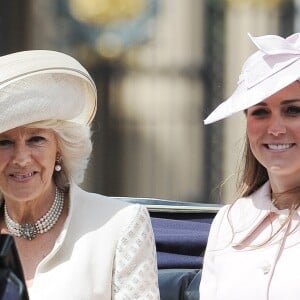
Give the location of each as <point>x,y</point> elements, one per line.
<point>252,174</point>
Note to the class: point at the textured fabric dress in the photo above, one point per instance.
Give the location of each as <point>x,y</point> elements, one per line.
<point>106,250</point>
<point>246,265</point>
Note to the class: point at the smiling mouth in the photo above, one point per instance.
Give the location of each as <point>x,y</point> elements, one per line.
<point>22,176</point>
<point>279,146</point>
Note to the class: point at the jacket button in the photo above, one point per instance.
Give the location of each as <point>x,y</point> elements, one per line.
<point>282,219</point>
<point>266,267</point>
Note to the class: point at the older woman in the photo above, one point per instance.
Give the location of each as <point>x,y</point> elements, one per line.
<point>254,244</point>
<point>72,244</point>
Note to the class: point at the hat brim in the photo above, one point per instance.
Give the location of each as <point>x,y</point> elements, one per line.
<point>38,85</point>
<point>243,97</point>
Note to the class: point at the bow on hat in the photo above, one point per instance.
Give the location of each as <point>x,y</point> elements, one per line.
<point>274,44</point>
<point>276,53</point>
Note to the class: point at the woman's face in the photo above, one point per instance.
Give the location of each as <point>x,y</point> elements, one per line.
<point>273,129</point>
<point>27,158</point>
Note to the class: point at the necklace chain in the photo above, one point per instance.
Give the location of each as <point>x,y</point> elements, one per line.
<point>42,225</point>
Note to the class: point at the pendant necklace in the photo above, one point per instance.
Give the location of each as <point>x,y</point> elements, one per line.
<point>42,225</point>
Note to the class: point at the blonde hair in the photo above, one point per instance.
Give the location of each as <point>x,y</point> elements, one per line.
<point>75,147</point>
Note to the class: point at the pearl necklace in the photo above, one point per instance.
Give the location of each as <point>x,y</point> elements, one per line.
<point>42,225</point>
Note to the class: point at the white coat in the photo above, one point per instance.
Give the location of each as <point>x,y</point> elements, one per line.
<point>105,251</point>
<point>241,266</point>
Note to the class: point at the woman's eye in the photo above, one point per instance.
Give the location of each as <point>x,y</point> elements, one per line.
<point>36,139</point>
<point>259,112</point>
<point>4,143</point>
<point>293,110</point>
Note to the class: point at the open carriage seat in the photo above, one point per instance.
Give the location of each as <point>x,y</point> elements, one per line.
<point>181,231</point>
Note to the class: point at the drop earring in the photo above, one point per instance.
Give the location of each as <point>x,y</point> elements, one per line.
<point>57,166</point>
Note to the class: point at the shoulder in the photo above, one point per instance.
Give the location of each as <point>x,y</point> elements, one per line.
<point>253,205</point>
<point>82,198</point>
<point>101,209</point>
<point>242,215</point>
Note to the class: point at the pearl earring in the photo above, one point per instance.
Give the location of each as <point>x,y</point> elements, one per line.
<point>57,166</point>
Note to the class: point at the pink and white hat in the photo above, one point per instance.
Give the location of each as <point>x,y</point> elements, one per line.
<point>274,66</point>
<point>41,85</point>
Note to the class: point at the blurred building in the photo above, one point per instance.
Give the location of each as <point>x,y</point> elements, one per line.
<point>160,67</point>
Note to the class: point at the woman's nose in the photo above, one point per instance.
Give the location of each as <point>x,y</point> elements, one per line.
<point>22,155</point>
<point>276,126</point>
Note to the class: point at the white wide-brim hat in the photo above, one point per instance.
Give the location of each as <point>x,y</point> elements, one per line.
<point>273,67</point>
<point>39,85</point>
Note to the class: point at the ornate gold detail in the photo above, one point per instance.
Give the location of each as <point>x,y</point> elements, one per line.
<point>105,11</point>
